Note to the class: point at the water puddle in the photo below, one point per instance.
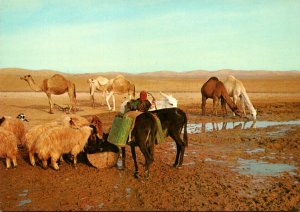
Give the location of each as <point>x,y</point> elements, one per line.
<point>92,207</point>
<point>253,151</point>
<point>195,128</point>
<point>120,164</point>
<point>24,194</point>
<point>25,201</point>
<point>128,192</point>
<point>254,167</point>
<point>192,163</point>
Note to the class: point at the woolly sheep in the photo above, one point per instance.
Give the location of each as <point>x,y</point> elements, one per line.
<point>33,133</point>
<point>8,147</point>
<point>60,140</point>
<point>14,125</point>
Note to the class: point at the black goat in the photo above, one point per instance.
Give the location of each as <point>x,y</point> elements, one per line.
<point>173,120</point>
<point>143,135</point>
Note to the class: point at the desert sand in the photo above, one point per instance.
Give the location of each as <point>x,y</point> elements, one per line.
<point>231,163</point>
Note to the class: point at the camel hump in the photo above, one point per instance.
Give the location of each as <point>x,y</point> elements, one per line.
<point>58,82</point>
<point>214,78</point>
<point>231,77</point>
<point>58,76</point>
<point>119,76</point>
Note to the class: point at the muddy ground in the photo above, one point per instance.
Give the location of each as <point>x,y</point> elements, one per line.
<point>238,166</point>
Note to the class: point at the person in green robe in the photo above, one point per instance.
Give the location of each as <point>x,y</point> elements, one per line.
<point>141,104</point>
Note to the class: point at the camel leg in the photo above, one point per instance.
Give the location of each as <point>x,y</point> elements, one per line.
<point>107,99</point>
<point>114,103</point>
<point>50,102</point>
<point>92,91</point>
<point>103,95</point>
<point>243,105</point>
<point>215,104</point>
<point>223,105</point>
<point>72,96</point>
<point>235,101</point>
<point>203,105</point>
<point>92,100</point>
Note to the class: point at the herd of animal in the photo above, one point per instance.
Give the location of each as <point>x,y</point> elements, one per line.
<point>72,134</point>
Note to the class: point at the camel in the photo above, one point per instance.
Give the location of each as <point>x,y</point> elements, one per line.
<point>100,84</point>
<point>119,85</point>
<point>56,85</point>
<point>215,90</point>
<point>235,89</point>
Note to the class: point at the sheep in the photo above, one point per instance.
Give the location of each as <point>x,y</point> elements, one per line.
<point>60,140</point>
<point>33,133</point>
<point>14,125</point>
<point>8,147</point>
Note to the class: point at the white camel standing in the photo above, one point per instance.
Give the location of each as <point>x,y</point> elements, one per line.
<point>119,85</point>
<point>98,84</point>
<point>235,89</point>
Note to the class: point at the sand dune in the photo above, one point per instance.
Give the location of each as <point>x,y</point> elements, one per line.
<point>254,81</point>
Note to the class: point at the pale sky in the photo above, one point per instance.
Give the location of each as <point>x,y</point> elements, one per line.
<point>76,36</point>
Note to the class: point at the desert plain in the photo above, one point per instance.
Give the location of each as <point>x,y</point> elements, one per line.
<point>230,163</point>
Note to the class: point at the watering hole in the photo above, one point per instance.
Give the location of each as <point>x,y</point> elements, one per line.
<point>255,167</point>
<point>194,128</point>
<point>25,201</point>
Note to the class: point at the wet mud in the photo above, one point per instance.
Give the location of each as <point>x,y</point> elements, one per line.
<point>230,164</point>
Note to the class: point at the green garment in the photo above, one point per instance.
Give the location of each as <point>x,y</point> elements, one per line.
<point>137,105</point>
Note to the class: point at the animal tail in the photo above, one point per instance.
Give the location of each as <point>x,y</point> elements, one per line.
<point>150,140</point>
<point>74,91</point>
<point>185,134</point>
<point>133,94</point>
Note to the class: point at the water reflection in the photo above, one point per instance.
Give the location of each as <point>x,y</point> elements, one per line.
<point>203,127</point>
<point>254,167</point>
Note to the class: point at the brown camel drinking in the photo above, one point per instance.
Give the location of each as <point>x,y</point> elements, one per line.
<point>215,90</point>
<point>56,85</point>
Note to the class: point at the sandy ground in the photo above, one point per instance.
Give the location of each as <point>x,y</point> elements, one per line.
<point>225,166</point>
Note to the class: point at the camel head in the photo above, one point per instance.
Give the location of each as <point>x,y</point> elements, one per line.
<point>90,80</point>
<point>26,77</point>
<point>253,113</point>
<point>238,112</point>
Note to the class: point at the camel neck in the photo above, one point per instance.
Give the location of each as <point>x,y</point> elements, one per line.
<point>247,101</point>
<point>33,85</point>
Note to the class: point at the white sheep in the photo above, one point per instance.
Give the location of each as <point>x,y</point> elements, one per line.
<point>60,140</point>
<point>14,125</point>
<point>33,133</point>
<point>8,147</point>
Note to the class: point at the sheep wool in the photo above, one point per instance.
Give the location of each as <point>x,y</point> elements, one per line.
<point>33,133</point>
<point>60,140</point>
<point>16,126</point>
<point>8,147</point>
